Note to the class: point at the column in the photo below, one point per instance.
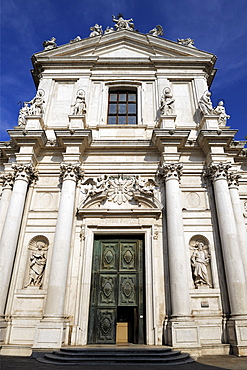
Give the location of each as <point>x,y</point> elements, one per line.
<point>23,173</point>
<point>70,173</point>
<point>234,270</point>
<point>239,219</point>
<point>176,248</point>
<point>8,181</point>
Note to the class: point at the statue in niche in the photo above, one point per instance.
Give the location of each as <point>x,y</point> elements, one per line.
<point>79,108</point>
<point>50,44</point>
<point>24,111</point>
<point>199,261</point>
<point>37,264</point>
<point>157,31</point>
<point>36,104</point>
<point>221,112</point>
<point>96,30</point>
<point>123,24</point>
<point>186,42</point>
<point>205,104</point>
<point>167,102</point>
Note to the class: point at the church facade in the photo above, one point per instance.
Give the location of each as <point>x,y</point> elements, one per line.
<point>123,201</point>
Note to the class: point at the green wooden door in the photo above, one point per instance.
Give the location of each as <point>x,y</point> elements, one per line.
<point>116,289</point>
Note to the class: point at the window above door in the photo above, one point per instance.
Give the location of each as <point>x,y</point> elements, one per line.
<point>122,107</point>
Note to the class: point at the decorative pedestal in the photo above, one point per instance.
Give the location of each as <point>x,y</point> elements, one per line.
<point>167,122</point>
<point>34,123</point>
<point>77,122</point>
<point>209,123</point>
<point>183,333</point>
<point>237,332</point>
<point>51,333</point>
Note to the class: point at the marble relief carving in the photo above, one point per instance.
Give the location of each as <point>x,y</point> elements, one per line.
<point>200,259</point>
<point>38,247</point>
<point>118,189</point>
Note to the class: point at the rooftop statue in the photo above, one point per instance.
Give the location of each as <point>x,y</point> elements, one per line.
<point>223,116</point>
<point>205,104</point>
<point>157,31</point>
<point>96,30</point>
<point>167,102</point>
<point>123,24</point>
<point>77,38</point>
<point>186,42</point>
<point>108,30</point>
<point>50,44</point>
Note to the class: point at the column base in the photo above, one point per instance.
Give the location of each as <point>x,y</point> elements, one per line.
<point>183,333</point>
<point>237,333</point>
<point>3,330</point>
<point>51,333</point>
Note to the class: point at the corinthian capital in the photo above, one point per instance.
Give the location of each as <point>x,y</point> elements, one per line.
<point>171,171</point>
<point>233,180</point>
<point>218,171</point>
<point>71,171</point>
<point>8,180</point>
<point>25,172</point>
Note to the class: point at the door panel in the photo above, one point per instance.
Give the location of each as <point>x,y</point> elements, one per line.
<point>117,284</point>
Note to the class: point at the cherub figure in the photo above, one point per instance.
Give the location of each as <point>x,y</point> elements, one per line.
<point>122,23</point>
<point>223,116</point>
<point>205,104</point>
<point>167,102</point>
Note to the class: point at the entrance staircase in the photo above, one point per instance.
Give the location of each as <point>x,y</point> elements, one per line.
<point>92,355</point>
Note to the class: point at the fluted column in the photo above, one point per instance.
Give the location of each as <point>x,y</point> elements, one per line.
<point>23,173</point>
<point>70,173</point>
<point>8,180</point>
<point>234,269</point>
<point>239,219</point>
<point>176,247</point>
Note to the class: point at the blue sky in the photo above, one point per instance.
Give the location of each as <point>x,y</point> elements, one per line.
<point>217,26</point>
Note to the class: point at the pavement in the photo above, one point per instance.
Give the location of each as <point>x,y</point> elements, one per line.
<point>202,363</point>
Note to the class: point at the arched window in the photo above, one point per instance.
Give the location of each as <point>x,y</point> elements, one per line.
<point>122,107</point>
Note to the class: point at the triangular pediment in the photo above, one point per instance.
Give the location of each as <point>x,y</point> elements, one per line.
<point>124,44</point>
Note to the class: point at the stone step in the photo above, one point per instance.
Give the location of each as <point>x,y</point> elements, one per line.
<point>110,356</point>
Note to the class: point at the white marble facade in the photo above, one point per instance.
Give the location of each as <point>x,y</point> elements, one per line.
<point>176,177</point>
